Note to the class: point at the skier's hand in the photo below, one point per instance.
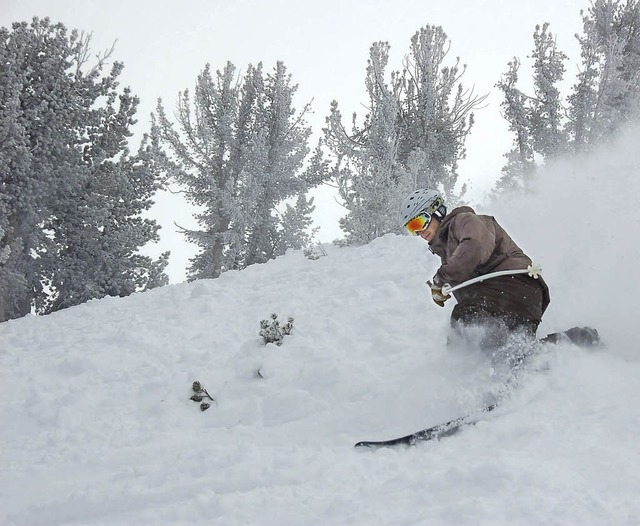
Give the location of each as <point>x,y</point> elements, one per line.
<point>438,296</point>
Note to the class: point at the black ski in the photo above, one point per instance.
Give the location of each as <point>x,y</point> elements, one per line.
<point>581,336</point>
<point>430,433</point>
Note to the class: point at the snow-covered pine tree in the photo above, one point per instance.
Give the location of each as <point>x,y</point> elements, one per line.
<point>14,281</point>
<point>238,153</point>
<point>370,180</point>
<point>413,135</point>
<point>520,161</point>
<point>22,189</point>
<point>546,112</point>
<point>297,231</point>
<point>606,95</point>
<point>583,98</point>
<point>99,227</point>
<point>436,111</point>
<point>70,193</point>
<point>283,138</point>
<point>537,120</point>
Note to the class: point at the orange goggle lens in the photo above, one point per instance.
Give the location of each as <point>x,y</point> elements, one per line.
<point>418,224</point>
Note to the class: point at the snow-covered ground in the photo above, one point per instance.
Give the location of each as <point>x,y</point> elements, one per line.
<point>97,427</point>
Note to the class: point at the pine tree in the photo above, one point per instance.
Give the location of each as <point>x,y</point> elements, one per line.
<point>545,121</point>
<point>537,120</point>
<point>297,231</point>
<point>605,97</point>
<point>607,93</point>
<point>99,228</point>
<point>22,190</point>
<point>413,135</point>
<point>436,111</point>
<point>238,153</point>
<point>284,147</point>
<point>371,181</point>
<point>520,159</point>
<point>70,191</point>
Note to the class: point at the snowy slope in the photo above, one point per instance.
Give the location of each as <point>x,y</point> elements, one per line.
<point>97,427</point>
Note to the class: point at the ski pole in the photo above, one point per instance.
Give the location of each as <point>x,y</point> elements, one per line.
<point>533,270</point>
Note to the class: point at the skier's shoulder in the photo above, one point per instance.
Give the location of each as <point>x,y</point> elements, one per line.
<point>461,211</point>
<point>462,215</point>
<point>465,214</point>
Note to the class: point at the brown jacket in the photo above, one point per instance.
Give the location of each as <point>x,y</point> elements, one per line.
<point>471,245</point>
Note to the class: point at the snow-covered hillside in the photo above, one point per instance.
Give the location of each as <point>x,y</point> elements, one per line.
<point>97,427</point>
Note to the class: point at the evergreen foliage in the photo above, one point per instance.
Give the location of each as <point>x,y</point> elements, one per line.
<point>272,332</point>
<point>607,93</point>
<point>546,105</point>
<point>296,222</point>
<point>71,194</point>
<point>520,162</point>
<point>371,181</point>
<point>238,151</point>
<point>412,136</point>
<point>436,111</point>
<point>314,252</point>
<point>604,98</point>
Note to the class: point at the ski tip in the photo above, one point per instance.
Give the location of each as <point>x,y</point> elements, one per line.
<point>404,441</point>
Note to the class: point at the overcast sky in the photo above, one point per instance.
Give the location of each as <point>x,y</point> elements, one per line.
<point>324,44</point>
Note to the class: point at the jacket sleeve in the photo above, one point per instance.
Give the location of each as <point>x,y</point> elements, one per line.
<point>475,244</point>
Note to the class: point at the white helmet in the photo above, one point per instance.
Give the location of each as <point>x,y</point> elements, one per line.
<point>423,201</point>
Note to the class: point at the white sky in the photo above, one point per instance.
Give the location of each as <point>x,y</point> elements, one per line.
<point>164,45</point>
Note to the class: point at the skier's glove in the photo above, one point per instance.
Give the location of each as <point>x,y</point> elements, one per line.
<point>437,295</point>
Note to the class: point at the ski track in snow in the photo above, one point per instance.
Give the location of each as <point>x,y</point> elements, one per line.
<point>98,429</point>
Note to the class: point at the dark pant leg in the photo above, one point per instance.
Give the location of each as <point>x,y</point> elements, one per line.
<point>493,330</point>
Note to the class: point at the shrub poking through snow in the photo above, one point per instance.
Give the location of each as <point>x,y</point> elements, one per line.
<point>272,332</point>
<point>314,252</point>
<point>200,393</point>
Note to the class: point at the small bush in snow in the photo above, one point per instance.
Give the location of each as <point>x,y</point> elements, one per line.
<point>314,252</point>
<point>272,332</point>
<point>199,394</point>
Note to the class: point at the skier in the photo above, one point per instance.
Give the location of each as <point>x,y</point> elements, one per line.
<point>471,245</point>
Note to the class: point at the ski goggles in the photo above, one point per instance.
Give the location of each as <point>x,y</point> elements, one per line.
<point>418,224</point>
